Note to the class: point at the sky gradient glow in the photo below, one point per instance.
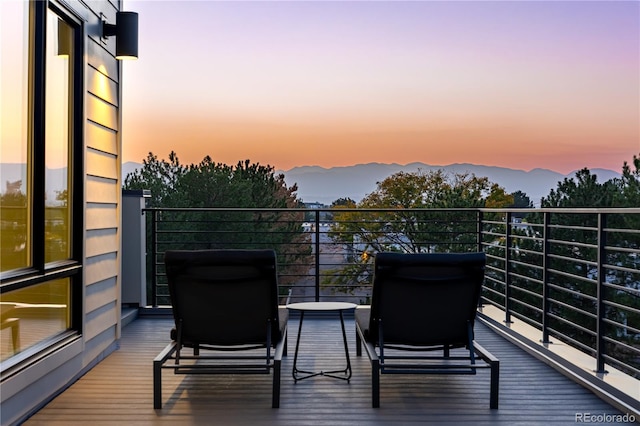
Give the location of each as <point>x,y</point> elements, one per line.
<point>523,85</point>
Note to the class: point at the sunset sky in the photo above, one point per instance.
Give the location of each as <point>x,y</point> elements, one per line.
<point>523,85</point>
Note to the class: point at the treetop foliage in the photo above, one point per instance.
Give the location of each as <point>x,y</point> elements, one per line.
<point>584,190</point>
<point>436,189</point>
<point>210,184</point>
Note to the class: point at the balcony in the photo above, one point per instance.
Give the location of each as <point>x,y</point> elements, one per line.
<point>560,309</point>
<point>119,389</point>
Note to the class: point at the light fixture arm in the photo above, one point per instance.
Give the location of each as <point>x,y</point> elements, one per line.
<point>109,30</point>
<point>126,31</point>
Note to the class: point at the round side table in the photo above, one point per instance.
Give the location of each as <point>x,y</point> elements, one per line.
<point>339,307</point>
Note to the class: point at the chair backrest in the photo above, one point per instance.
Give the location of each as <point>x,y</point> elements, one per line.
<point>224,297</point>
<point>426,299</point>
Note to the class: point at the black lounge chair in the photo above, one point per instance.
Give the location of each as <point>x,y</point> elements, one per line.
<point>223,300</point>
<point>421,303</point>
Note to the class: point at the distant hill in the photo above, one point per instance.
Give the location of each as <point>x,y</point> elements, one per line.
<point>129,167</point>
<point>14,172</point>
<point>325,185</point>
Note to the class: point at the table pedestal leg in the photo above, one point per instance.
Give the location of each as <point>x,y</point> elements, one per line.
<point>346,371</point>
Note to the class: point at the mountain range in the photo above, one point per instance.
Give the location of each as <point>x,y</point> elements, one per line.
<point>14,174</point>
<point>325,185</point>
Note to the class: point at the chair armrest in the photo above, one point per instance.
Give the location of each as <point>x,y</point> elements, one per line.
<point>369,347</point>
<point>494,364</point>
<point>280,347</point>
<point>166,352</point>
<point>484,354</point>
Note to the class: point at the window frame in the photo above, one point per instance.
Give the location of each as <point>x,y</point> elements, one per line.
<point>39,271</point>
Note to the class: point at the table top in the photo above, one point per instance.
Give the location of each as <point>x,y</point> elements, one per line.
<point>321,306</point>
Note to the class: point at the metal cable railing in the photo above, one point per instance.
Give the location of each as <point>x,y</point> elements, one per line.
<point>574,274</point>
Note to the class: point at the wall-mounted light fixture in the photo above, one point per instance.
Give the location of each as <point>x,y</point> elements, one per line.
<point>65,39</point>
<point>126,32</point>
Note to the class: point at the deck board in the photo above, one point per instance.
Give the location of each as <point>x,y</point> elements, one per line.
<point>119,389</point>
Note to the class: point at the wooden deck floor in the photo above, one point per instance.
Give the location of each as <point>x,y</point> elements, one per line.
<point>119,389</point>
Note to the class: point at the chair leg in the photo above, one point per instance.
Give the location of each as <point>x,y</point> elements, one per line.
<point>275,399</point>
<point>157,384</point>
<point>358,344</point>
<point>15,333</point>
<point>158,362</point>
<point>375,384</point>
<point>495,384</point>
<point>14,324</point>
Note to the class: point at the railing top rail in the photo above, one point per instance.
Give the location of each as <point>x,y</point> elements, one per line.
<point>303,209</point>
<point>591,210</point>
<point>625,210</point>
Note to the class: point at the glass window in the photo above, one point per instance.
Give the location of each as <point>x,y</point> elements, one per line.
<point>14,147</point>
<point>33,314</point>
<point>39,132</point>
<point>57,138</point>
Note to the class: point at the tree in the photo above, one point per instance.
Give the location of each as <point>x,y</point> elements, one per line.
<point>343,203</point>
<point>426,230</point>
<point>340,203</point>
<point>210,184</point>
<point>217,185</point>
<point>498,198</point>
<point>628,194</point>
<point>160,177</point>
<point>583,190</point>
<point>14,230</point>
<point>521,200</point>
<point>572,264</point>
<point>401,217</point>
<point>565,260</point>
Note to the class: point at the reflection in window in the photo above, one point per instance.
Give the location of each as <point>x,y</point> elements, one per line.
<point>15,185</point>
<point>59,57</point>
<point>33,314</point>
<point>36,151</point>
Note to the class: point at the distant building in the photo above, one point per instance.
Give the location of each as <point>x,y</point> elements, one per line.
<point>315,205</point>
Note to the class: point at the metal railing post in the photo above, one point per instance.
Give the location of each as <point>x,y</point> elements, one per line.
<point>507,269</point>
<point>317,255</point>
<point>154,255</point>
<point>545,277</point>
<point>480,226</point>
<point>601,308</point>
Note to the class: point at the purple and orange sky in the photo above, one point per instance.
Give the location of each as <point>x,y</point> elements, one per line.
<point>518,84</point>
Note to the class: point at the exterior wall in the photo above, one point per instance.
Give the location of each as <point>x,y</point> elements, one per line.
<point>27,391</point>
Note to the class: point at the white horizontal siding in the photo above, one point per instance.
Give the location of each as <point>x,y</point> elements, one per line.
<point>101,138</point>
<point>101,319</point>
<point>100,294</point>
<point>101,241</point>
<point>94,348</point>
<point>102,112</point>
<point>101,59</point>
<point>102,210</point>
<point>102,164</point>
<point>101,86</point>
<point>100,268</point>
<point>102,190</point>
<point>100,216</point>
